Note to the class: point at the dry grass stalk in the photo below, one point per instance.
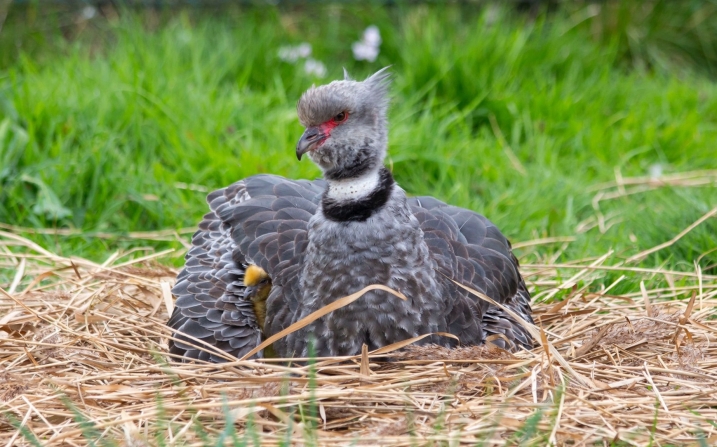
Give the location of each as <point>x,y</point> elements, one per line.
<point>623,187</point>
<point>94,333</point>
<point>164,235</point>
<point>643,254</point>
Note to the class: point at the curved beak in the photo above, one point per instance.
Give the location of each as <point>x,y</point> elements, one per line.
<point>250,292</point>
<point>309,140</point>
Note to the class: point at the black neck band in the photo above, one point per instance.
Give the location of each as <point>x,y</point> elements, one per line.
<point>363,208</point>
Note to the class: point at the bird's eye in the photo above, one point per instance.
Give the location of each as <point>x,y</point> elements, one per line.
<point>341,117</point>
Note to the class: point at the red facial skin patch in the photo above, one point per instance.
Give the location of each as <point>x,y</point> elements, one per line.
<point>328,126</point>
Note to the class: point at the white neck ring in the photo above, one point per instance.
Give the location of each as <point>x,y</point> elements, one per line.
<point>354,188</point>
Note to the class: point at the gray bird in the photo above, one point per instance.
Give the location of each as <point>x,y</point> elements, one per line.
<point>317,241</point>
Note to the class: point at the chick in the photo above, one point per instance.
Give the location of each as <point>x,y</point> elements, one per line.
<point>258,286</point>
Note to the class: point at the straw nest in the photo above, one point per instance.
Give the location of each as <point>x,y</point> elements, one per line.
<point>81,358</point>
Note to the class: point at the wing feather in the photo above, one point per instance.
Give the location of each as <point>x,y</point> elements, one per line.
<point>481,258</point>
<point>261,220</point>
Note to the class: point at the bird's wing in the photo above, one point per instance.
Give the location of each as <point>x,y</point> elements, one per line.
<point>210,303</point>
<point>271,231</point>
<point>259,220</point>
<point>470,249</point>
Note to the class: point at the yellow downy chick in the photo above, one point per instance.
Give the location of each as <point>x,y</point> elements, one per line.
<point>258,286</point>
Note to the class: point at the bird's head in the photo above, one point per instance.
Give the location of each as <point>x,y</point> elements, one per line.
<point>346,129</point>
<point>257,283</point>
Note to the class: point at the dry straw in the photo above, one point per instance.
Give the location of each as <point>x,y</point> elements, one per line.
<point>77,337</point>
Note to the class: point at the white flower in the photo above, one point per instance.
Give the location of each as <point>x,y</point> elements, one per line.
<point>367,48</point>
<point>364,52</point>
<point>656,171</point>
<point>88,12</point>
<point>372,36</point>
<point>292,54</point>
<point>314,67</point>
<point>304,49</point>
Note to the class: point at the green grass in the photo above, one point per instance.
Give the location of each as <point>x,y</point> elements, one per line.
<point>96,130</point>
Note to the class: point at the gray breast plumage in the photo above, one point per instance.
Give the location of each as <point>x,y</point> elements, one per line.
<point>418,246</point>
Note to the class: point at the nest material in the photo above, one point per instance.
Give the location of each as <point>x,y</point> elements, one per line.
<point>82,356</point>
